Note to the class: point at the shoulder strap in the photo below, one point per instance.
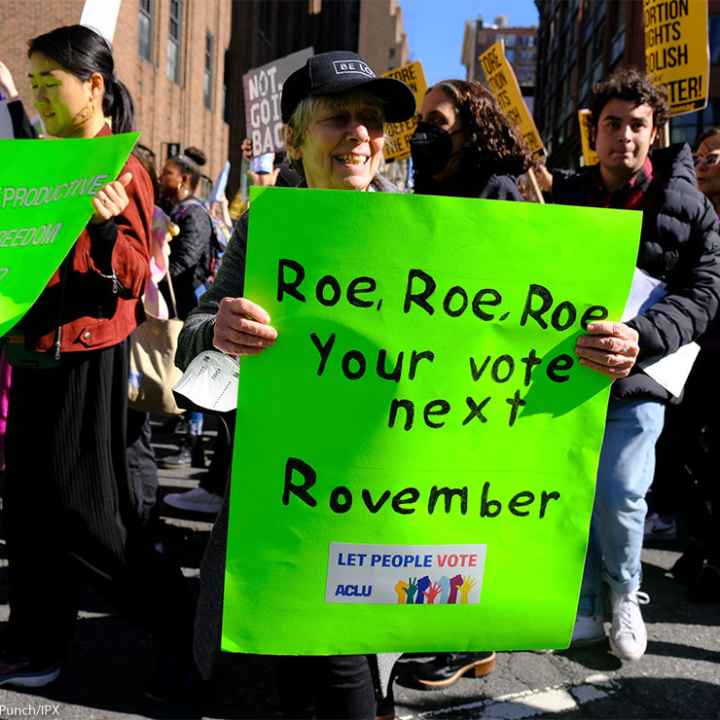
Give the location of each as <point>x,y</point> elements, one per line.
<point>171,291</point>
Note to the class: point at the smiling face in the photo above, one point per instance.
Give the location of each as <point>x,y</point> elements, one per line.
<point>342,146</point>
<point>623,137</point>
<point>707,167</point>
<point>68,106</point>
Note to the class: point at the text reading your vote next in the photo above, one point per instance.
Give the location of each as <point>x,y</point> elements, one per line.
<point>407,560</point>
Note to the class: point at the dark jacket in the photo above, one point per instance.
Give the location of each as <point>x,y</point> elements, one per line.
<point>679,244</point>
<point>472,185</point>
<point>22,127</point>
<point>501,187</point>
<point>91,311</point>
<point>190,253</point>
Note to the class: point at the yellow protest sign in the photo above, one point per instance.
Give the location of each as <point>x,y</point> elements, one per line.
<point>676,51</point>
<point>237,206</point>
<point>589,155</point>
<point>503,84</point>
<point>397,135</point>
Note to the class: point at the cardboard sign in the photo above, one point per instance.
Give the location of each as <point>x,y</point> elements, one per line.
<point>589,155</point>
<point>502,82</point>
<point>46,189</point>
<point>397,135</point>
<point>421,442</point>
<point>263,88</point>
<point>677,54</point>
<point>101,16</point>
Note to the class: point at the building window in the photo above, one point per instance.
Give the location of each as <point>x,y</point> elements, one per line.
<point>510,40</point>
<point>597,41</point>
<point>209,64</point>
<point>174,41</point>
<point>598,72</point>
<point>714,39</point>
<point>687,128</point>
<point>146,26</point>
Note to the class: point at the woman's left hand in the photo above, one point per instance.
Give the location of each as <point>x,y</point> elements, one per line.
<point>111,200</point>
<point>609,348</point>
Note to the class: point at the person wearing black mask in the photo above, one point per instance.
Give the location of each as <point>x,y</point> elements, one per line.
<point>464,146</point>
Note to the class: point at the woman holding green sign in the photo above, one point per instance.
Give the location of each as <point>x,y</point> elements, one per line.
<point>334,109</point>
<point>69,506</point>
<point>463,147</point>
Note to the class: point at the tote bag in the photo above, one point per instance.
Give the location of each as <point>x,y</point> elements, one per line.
<point>152,363</point>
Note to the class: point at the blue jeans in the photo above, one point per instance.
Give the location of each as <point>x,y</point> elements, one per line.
<point>627,466</point>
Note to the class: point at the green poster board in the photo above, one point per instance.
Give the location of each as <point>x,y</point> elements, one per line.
<point>415,458</point>
<point>46,191</point>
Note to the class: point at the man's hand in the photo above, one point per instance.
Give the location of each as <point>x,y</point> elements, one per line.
<point>247,149</point>
<point>609,348</point>
<point>242,328</point>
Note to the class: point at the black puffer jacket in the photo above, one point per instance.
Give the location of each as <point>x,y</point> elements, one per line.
<point>679,245</point>
<point>190,253</point>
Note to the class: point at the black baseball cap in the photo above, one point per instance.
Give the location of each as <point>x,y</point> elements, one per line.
<point>336,72</point>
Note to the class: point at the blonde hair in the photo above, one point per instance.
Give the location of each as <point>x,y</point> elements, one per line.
<point>299,123</point>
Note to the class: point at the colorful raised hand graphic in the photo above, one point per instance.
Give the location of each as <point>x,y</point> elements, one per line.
<point>412,589</point>
<point>466,589</point>
<point>423,584</point>
<point>444,583</point>
<point>401,589</point>
<point>432,592</point>
<point>455,583</point>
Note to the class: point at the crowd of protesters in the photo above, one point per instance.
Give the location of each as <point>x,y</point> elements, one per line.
<point>83,467</point>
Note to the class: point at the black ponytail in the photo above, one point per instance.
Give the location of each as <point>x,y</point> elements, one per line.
<point>118,105</point>
<point>189,163</point>
<point>82,52</point>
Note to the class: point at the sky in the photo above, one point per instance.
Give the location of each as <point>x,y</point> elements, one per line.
<point>435,29</point>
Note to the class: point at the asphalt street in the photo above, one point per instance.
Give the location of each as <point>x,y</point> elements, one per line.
<point>679,677</point>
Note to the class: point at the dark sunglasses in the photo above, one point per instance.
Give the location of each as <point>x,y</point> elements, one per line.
<point>707,161</point>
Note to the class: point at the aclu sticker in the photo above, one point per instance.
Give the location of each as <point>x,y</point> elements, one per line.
<point>405,574</point>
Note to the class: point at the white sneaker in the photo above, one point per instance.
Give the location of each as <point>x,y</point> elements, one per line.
<point>195,500</point>
<point>587,631</point>
<point>658,528</point>
<point>628,636</point>
<point>650,523</point>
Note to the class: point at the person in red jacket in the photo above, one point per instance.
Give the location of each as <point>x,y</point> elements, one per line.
<point>69,507</point>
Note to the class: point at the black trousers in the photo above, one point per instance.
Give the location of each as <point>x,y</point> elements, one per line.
<point>338,686</point>
<point>142,466</point>
<point>70,511</point>
<point>679,447</point>
<point>216,479</point>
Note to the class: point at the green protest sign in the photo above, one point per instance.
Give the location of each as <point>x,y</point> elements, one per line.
<point>46,191</point>
<point>415,458</point>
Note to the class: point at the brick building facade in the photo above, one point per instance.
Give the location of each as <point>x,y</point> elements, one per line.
<point>169,53</point>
